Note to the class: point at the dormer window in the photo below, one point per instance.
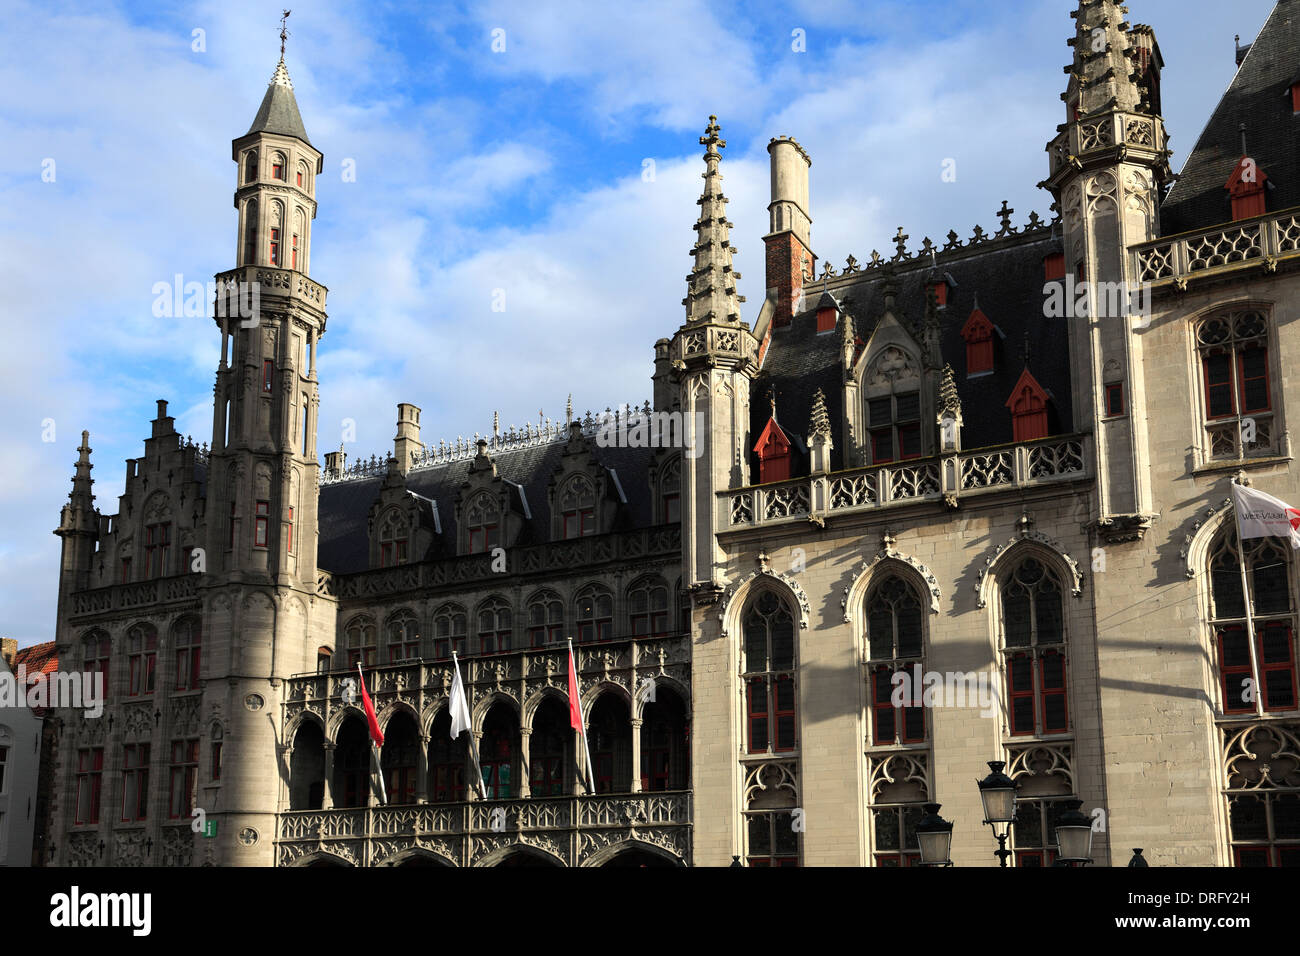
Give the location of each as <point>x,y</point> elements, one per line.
<point>394,540</point>
<point>483,524</point>
<point>1028,405</point>
<point>578,508</point>
<point>978,335</point>
<point>1246,188</point>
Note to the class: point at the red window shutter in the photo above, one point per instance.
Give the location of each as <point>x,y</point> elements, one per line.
<point>825,320</point>
<point>1054,267</point>
<point>1295,98</point>
<point>940,290</point>
<point>979,357</point>
<point>1020,694</point>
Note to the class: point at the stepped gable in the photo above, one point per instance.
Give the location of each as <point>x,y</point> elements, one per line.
<point>1258,97</point>
<point>1006,274</point>
<point>345,505</point>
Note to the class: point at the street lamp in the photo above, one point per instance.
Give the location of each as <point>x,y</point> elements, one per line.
<point>934,834</point>
<point>1074,834</point>
<point>998,794</point>
<point>1138,859</point>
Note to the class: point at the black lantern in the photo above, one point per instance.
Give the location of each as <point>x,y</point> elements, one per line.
<point>934,834</point>
<point>735,862</point>
<point>1138,859</point>
<point>998,794</point>
<point>1074,834</point>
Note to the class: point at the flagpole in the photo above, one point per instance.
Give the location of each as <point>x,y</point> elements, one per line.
<point>1250,609</point>
<point>374,754</point>
<point>582,724</point>
<point>473,746</point>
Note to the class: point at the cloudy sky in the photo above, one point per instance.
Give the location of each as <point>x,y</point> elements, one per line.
<point>523,170</point>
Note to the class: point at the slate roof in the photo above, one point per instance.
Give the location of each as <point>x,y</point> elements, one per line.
<point>1257,97</point>
<point>279,110</point>
<point>1006,274</point>
<point>345,505</point>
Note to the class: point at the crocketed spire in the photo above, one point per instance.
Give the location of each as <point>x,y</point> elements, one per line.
<point>79,513</point>
<point>711,286</point>
<point>1102,65</point>
<point>819,424</point>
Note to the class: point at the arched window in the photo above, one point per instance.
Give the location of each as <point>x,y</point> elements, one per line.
<point>893,407</point>
<point>303,180</point>
<point>578,507</point>
<point>394,539</point>
<point>665,757</point>
<point>250,166</point>
<point>275,224</point>
<point>1236,384</point>
<point>399,759</point>
<point>647,602</point>
<point>187,638</point>
<point>446,762</point>
<point>142,658</point>
<point>448,631</point>
<point>768,670</point>
<point>771,796</point>
<point>545,619</point>
<point>1033,649</point>
<point>894,646</point>
<point>1271,617</point>
<point>494,627</point>
<point>483,523</point>
<point>609,734</point>
<point>500,736</point>
<point>278,167</point>
<point>324,655</point>
<point>361,642</point>
<point>595,607</point>
<point>250,232</point>
<point>670,492</point>
<point>548,750</point>
<point>352,762</point>
<point>403,637</point>
<point>95,657</point>
<point>295,242</point>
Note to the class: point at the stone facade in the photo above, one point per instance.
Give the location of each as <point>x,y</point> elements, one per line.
<point>1029,505</point>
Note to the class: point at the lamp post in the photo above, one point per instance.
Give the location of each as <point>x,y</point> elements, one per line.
<point>934,835</point>
<point>1138,859</point>
<point>1074,835</point>
<point>998,794</point>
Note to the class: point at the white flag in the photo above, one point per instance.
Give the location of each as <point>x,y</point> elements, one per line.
<point>459,703</point>
<point>1261,516</point>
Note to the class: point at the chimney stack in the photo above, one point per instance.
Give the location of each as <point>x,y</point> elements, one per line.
<point>8,650</point>
<point>790,261</point>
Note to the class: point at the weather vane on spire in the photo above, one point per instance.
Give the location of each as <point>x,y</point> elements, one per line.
<point>284,33</point>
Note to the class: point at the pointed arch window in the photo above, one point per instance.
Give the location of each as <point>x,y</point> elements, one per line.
<point>446,763</point>
<point>895,646</point>
<point>648,608</point>
<point>298,232</point>
<point>670,496</point>
<point>893,407</point>
<point>361,643</point>
<point>449,631</point>
<point>595,612</point>
<point>278,167</point>
<point>768,673</point>
<point>494,627</point>
<point>250,232</point>
<point>483,521</point>
<point>1237,384</point>
<point>545,619</point>
<point>403,637</point>
<point>96,650</point>
<point>1034,650</point>
<point>497,751</point>
<point>250,166</point>
<point>188,639</point>
<point>142,659</point>
<point>1271,616</point>
<point>578,508</point>
<point>394,539</point>
<point>547,750</point>
<point>276,226</point>
<point>303,177</point>
<point>771,796</point>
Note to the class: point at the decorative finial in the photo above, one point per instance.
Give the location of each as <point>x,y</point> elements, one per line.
<point>284,33</point>
<point>568,410</point>
<point>771,400</point>
<point>710,138</point>
<point>1244,150</point>
<point>496,424</point>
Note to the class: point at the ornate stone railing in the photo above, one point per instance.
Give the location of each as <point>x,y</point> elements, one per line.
<point>661,541</point>
<point>953,476</point>
<point>124,597</point>
<point>272,280</point>
<point>575,831</point>
<point>1264,238</point>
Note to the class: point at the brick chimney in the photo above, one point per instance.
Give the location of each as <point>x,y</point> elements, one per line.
<point>790,262</point>
<point>8,650</point>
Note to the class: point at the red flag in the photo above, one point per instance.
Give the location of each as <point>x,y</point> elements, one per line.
<point>376,734</point>
<point>575,705</point>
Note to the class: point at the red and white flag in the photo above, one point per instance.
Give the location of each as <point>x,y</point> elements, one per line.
<point>1262,516</point>
<point>575,716</point>
<point>376,738</point>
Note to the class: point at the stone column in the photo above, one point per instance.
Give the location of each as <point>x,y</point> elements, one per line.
<point>327,803</point>
<point>525,785</point>
<point>636,755</point>
<point>422,771</point>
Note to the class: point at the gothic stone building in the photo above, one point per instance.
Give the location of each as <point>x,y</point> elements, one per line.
<point>912,464</point>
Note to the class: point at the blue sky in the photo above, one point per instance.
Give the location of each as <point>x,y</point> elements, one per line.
<point>478,170</point>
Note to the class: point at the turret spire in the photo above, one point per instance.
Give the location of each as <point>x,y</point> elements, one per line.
<point>711,286</point>
<point>1102,71</point>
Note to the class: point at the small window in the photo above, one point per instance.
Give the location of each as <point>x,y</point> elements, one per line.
<point>250,166</point>
<point>275,246</point>
<point>288,542</point>
<point>277,167</point>
<point>300,176</point>
<point>268,371</point>
<point>1115,399</point>
<point>260,524</point>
